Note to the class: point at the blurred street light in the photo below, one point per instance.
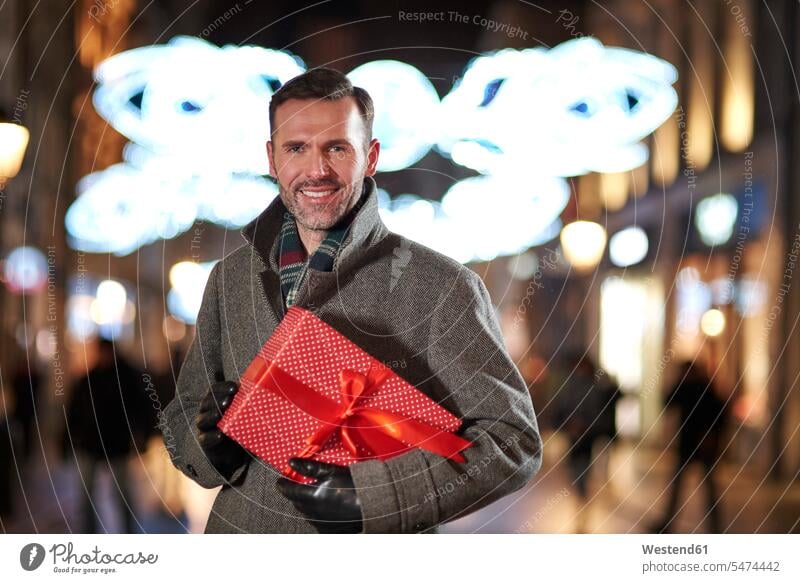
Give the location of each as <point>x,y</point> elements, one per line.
<point>13,143</point>
<point>583,243</point>
<point>712,323</point>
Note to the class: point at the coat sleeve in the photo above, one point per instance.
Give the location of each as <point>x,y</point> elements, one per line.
<point>418,490</point>
<point>201,368</point>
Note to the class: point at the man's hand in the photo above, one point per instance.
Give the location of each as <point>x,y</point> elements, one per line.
<point>331,505</point>
<point>224,453</point>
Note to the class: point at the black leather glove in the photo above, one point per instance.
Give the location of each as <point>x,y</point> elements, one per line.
<point>331,504</point>
<point>224,453</point>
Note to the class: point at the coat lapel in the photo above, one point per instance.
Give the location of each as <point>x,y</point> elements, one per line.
<point>262,235</point>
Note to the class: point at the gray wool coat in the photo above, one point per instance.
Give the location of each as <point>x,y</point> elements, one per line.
<point>423,314</point>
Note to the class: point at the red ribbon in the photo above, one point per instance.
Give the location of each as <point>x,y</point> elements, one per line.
<point>381,433</point>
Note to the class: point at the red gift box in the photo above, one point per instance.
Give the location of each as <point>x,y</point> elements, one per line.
<point>311,392</point>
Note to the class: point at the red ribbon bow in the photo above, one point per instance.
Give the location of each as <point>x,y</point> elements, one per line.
<point>380,433</point>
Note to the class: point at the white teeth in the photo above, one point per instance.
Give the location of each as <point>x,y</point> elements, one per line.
<point>317,194</point>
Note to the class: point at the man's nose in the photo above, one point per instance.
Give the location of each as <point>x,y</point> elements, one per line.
<point>319,165</point>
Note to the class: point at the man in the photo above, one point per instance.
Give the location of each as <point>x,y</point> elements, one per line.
<point>322,245</point>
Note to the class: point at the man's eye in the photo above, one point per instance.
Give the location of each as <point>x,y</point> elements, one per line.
<point>337,149</point>
<point>295,149</point>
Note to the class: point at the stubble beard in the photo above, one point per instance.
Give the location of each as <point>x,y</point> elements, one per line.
<point>324,218</point>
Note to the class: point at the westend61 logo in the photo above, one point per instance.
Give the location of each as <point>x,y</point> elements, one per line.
<point>65,560</point>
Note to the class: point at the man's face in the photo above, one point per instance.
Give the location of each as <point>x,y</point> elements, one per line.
<point>319,156</point>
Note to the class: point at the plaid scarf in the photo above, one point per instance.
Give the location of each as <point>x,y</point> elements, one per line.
<point>292,259</point>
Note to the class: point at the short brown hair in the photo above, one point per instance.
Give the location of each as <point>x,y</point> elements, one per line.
<point>323,83</point>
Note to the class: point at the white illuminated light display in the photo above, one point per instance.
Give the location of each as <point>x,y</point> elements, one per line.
<point>25,270</point>
<point>201,106</point>
<point>715,218</point>
<point>494,216</point>
<point>123,208</point>
<point>628,247</point>
<point>466,227</point>
<point>188,280</point>
<point>566,111</point>
<point>197,119</point>
<point>400,93</point>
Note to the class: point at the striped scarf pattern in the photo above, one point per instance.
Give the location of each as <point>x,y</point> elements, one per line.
<point>293,262</point>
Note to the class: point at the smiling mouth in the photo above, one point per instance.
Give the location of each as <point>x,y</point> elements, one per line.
<point>319,195</point>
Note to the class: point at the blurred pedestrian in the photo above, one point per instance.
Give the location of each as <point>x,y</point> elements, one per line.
<point>109,416</point>
<point>26,383</point>
<point>606,425</point>
<point>6,460</point>
<point>702,418</point>
<point>579,410</point>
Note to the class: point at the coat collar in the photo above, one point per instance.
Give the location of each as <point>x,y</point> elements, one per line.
<point>366,228</point>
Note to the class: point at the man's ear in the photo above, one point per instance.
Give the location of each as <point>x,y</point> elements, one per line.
<point>271,160</point>
<point>373,153</point>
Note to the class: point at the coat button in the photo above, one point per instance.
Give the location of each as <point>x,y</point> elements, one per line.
<point>191,470</point>
<point>419,526</point>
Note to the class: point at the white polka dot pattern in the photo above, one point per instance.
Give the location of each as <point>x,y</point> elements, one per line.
<point>314,353</point>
